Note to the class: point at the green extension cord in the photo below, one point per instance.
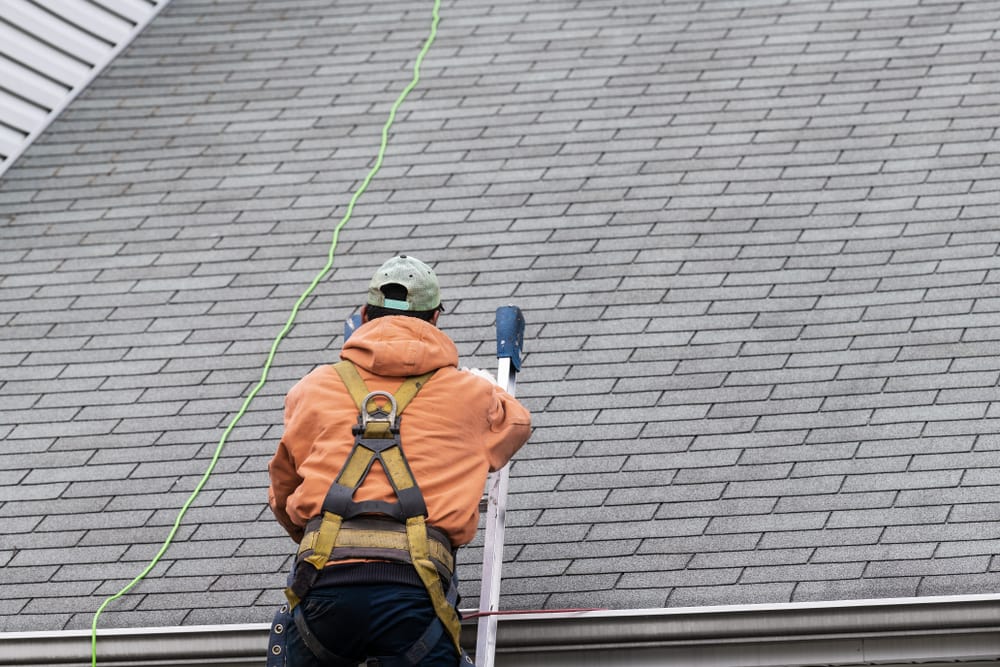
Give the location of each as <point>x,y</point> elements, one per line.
<point>288,325</point>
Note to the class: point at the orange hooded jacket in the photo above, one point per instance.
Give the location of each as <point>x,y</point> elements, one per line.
<point>457,429</point>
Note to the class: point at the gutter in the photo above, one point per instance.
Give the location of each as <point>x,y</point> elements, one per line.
<point>864,632</point>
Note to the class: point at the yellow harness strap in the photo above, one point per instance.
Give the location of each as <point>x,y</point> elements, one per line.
<point>356,386</point>
<point>327,539</point>
<point>416,535</point>
<point>390,536</point>
<point>361,458</point>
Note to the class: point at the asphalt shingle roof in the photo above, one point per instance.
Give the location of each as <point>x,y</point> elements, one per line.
<point>755,244</point>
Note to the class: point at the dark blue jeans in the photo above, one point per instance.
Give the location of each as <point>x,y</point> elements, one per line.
<point>368,620</point>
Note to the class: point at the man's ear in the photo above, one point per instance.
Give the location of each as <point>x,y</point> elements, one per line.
<point>364,314</point>
<point>434,317</point>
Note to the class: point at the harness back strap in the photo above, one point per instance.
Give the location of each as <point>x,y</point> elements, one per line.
<point>338,504</point>
<point>356,386</point>
<point>401,478</point>
<point>378,439</point>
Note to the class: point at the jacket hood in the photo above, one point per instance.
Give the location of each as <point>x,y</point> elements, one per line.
<point>400,346</point>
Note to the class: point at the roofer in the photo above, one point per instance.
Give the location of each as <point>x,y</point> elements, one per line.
<point>380,491</point>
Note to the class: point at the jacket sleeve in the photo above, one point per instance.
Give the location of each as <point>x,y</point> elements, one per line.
<point>510,426</point>
<point>284,480</point>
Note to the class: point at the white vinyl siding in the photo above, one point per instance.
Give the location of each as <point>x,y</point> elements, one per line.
<point>50,50</point>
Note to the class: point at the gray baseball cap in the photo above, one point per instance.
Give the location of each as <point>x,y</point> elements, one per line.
<point>422,290</point>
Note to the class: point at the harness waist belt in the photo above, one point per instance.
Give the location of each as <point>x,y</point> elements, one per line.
<point>369,538</point>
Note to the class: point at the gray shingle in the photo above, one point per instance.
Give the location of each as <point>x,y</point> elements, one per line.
<point>867,588</point>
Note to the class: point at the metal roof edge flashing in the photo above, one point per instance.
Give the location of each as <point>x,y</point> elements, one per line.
<point>892,631</point>
<point>786,620</point>
<point>897,631</point>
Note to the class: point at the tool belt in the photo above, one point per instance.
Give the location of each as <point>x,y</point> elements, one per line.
<point>378,530</point>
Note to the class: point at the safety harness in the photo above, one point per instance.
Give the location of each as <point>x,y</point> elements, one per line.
<point>373,529</point>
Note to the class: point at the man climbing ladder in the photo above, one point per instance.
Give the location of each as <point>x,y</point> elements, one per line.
<point>374,573</point>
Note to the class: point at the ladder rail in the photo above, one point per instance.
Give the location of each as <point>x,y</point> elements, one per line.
<point>510,335</point>
<point>493,545</point>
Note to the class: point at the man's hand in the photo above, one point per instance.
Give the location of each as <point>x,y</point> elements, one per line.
<point>481,373</point>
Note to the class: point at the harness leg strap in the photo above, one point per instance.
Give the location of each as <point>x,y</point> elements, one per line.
<point>416,533</point>
<point>306,572</point>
